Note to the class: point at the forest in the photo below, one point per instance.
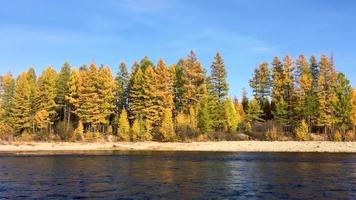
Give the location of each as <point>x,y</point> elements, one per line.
<point>301,99</point>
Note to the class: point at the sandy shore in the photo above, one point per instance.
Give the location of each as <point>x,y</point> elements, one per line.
<point>233,146</point>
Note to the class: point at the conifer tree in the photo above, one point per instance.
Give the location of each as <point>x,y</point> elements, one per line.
<point>218,78</point>
<point>148,130</point>
<point>145,62</point>
<point>314,69</point>
<point>137,130</point>
<point>121,87</point>
<point>244,100</point>
<point>21,105</point>
<point>343,106</point>
<point>152,107</point>
<point>204,119</point>
<point>167,128</point>
<point>88,109</point>
<point>326,96</point>
<point>7,85</point>
<point>304,96</point>
<point>301,131</point>
<point>124,126</point>
<point>179,86</point>
<point>164,88</point>
<point>136,95</point>
<point>62,90</point>
<point>277,80</point>
<point>193,78</point>
<point>72,96</point>
<point>239,110</point>
<point>218,91</point>
<point>45,99</point>
<point>230,115</point>
<point>261,83</point>
<point>32,79</point>
<point>288,87</point>
<point>353,110</point>
<point>106,95</point>
<point>254,111</point>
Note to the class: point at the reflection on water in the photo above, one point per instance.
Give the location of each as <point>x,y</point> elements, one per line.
<point>180,175</point>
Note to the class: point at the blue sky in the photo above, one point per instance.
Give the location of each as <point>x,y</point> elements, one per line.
<point>41,33</point>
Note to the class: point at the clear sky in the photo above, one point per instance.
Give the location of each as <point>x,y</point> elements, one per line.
<point>246,32</point>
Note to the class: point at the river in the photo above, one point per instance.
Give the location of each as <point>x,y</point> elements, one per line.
<point>178,175</point>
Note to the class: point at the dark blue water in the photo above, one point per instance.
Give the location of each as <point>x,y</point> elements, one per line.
<point>188,175</point>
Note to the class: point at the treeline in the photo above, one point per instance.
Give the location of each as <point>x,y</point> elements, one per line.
<point>153,102</point>
<point>176,103</point>
<point>304,96</point>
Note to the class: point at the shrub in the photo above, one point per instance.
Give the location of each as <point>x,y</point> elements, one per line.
<point>247,128</point>
<point>272,134</point>
<point>64,130</point>
<point>89,137</point>
<point>337,137</point>
<point>350,136</point>
<point>301,132</point>
<point>6,132</point>
<point>26,137</point>
<point>77,135</point>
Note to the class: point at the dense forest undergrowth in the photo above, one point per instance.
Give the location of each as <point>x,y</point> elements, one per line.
<point>305,99</point>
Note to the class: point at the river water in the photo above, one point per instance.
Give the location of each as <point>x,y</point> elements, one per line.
<point>179,175</point>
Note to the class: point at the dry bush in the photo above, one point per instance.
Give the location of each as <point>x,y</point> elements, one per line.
<point>318,137</point>
<point>6,132</point>
<point>350,136</point>
<point>93,137</point>
<point>202,138</point>
<point>301,132</point>
<point>64,130</point>
<point>337,137</point>
<point>27,137</point>
<point>272,134</point>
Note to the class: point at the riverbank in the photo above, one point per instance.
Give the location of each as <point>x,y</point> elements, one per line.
<point>224,146</point>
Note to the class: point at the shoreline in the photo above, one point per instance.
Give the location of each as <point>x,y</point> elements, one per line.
<point>221,146</point>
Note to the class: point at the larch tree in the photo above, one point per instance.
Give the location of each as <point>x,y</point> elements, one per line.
<point>303,108</point>
<point>239,110</point>
<point>72,96</point>
<point>164,89</point>
<point>353,110</point>
<point>106,95</point>
<point>230,115</point>
<point>7,86</point>
<point>326,96</point>
<point>194,83</point>
<point>89,103</point>
<point>21,105</point>
<point>32,79</point>
<point>124,126</point>
<point>45,99</point>
<point>277,80</point>
<point>261,83</point>
<point>288,87</point>
<point>136,95</point>
<point>167,127</point>
<point>152,106</point>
